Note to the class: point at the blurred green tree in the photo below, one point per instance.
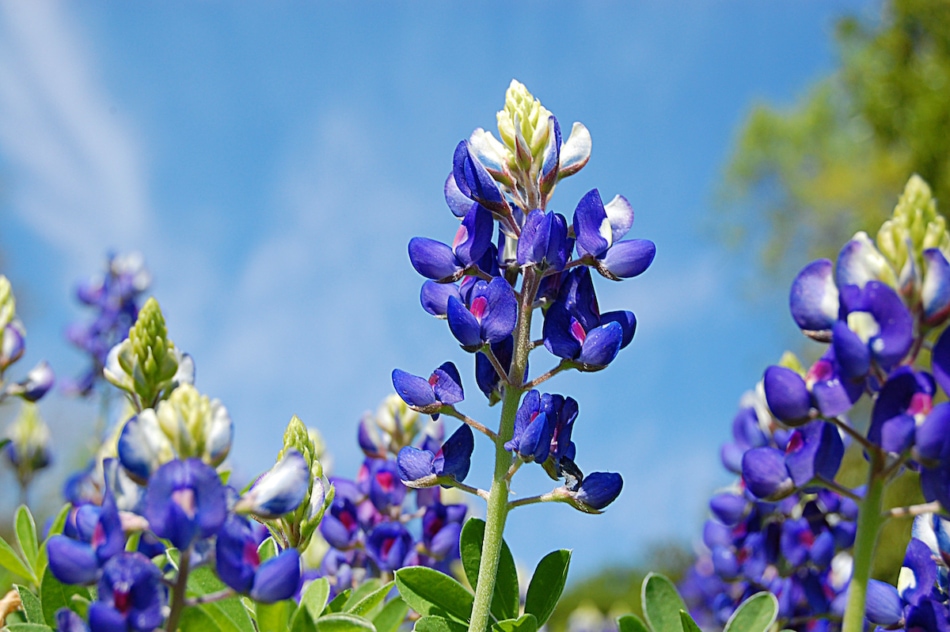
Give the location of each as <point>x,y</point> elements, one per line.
<point>801,181</point>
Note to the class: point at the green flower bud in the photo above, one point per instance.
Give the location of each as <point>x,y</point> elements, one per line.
<point>523,125</point>
<point>7,302</point>
<point>299,526</point>
<point>914,227</point>
<point>399,423</point>
<point>28,451</point>
<point>790,361</point>
<point>146,363</point>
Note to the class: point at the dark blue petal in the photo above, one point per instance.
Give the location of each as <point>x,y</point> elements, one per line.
<point>432,259</point>
<point>435,297</point>
<point>786,394</point>
<point>728,508</point>
<point>591,225</point>
<point>896,323</point>
<point>535,443</point>
<point>502,314</point>
<point>626,320</point>
<point>69,621</point>
<point>935,290</point>
<point>850,351</point>
<point>71,561</point>
<point>463,324</point>
<point>457,454</point>
<point>602,345</point>
<point>474,181</point>
<point>814,450</point>
<point>599,489</point>
<point>884,605</point>
<point>627,259</point>
<point>765,474</point>
<point>557,333</point>
<point>414,464</point>
<point>414,390</point>
<point>474,236</point>
<point>103,618</point>
<point>458,203</point>
<point>185,500</point>
<point>932,437</point>
<point>277,578</point>
<point>447,384</point>
<point>940,357</point>
<point>920,563</point>
<point>232,566</point>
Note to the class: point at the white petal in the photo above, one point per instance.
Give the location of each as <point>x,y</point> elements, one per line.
<point>575,152</point>
<point>620,216</point>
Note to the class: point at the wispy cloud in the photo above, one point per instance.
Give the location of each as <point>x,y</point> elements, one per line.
<point>72,167</point>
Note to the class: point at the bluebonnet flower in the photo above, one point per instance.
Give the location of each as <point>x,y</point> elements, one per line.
<point>904,401</point>
<point>185,501</point>
<point>488,317</point>
<point>596,491</point>
<point>28,450</point>
<point>443,388</point>
<point>599,229</point>
<point>575,330</point>
<point>441,529</point>
<point>388,545</point>
<point>544,242</point>
<point>239,565</point>
<point>423,467</point>
<point>97,537</point>
<point>130,595</point>
<point>437,261</point>
<point>38,381</point>
<point>278,491</point>
<point>486,375</point>
<point>385,487</point>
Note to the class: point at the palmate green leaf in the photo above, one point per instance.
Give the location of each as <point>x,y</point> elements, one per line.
<point>432,623</point>
<point>11,560</point>
<point>688,624</point>
<point>342,622</point>
<point>662,604</point>
<point>55,595</point>
<point>506,597</point>
<point>755,614</point>
<point>391,616</point>
<point>31,604</point>
<point>428,592</point>
<point>526,623</point>
<point>312,602</point>
<point>274,617</point>
<point>338,602</point>
<point>546,585</point>
<point>631,623</point>
<point>228,614</point>
<point>26,535</point>
<point>369,605</point>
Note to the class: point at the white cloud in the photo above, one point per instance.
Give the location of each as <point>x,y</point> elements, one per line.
<point>74,170</point>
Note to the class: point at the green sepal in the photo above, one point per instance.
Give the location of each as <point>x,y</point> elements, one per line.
<point>661,603</point>
<point>506,597</point>
<point>755,614</point>
<point>430,592</point>
<point>547,584</point>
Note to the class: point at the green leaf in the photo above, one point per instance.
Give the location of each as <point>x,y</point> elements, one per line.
<point>506,597</point>
<point>274,617</point>
<point>755,614</point>
<point>688,624</point>
<point>391,616</point>
<point>341,622</point>
<point>197,620</point>
<point>312,602</point>
<point>439,624</point>
<point>267,549</point>
<point>28,627</point>
<point>370,604</point>
<point>527,623</point>
<point>10,560</point>
<point>302,622</point>
<point>365,588</point>
<point>228,614</point>
<point>42,560</point>
<point>661,603</point>
<point>338,602</point>
<point>80,605</point>
<point>31,604</point>
<point>26,535</point>
<point>55,595</point>
<point>631,623</point>
<point>430,592</point>
<point>546,585</point>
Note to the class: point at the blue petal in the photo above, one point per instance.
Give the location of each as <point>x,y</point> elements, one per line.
<point>474,235</point>
<point>850,351</point>
<point>463,324</point>
<point>602,345</point>
<point>72,562</point>
<point>935,290</point>
<point>884,605</point>
<point>414,464</point>
<point>765,474</point>
<point>277,578</point>
<point>502,316</point>
<point>599,489</point>
<point>591,226</point>
<point>458,203</point>
<point>447,384</point>
<point>814,297</point>
<point>414,390</point>
<point>280,490</point>
<point>728,508</point>
<point>432,259</point>
<point>933,435</point>
<point>474,181</point>
<point>626,320</point>
<point>231,566</point>
<point>457,453</point>
<point>940,359</point>
<point>786,394</point>
<point>627,259</point>
<point>559,341</point>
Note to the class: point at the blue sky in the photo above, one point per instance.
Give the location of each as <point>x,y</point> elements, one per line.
<point>272,162</point>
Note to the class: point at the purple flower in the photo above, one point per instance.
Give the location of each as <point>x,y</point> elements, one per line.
<point>35,385</point>
<point>486,376</point>
<point>278,491</point>
<point>599,228</point>
<point>388,545</point>
<point>98,536</point>
<point>385,488</point>
<point>12,344</point>
<point>543,242</point>
<point>813,299</point>
<point>443,388</point>
<point>597,490</point>
<point>424,468</point>
<point>904,399</point>
<point>935,287</point>
<point>131,595</point>
<point>873,324</point>
<point>575,330</point>
<point>765,474</point>
<point>185,501</point>
<point>437,261</point>
<point>441,529</point>
<point>814,451</point>
<point>533,429</point>
<point>340,526</point>
<point>489,316</point>
<point>239,565</point>
<point>475,182</point>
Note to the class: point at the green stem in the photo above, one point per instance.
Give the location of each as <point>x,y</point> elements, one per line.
<point>498,507</point>
<point>178,592</point>
<point>869,525</point>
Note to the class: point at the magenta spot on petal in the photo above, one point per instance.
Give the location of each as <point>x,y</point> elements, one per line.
<point>348,520</point>
<point>98,535</point>
<point>820,371</point>
<point>795,443</point>
<point>460,237</point>
<point>806,537</point>
<point>479,307</point>
<point>577,330</point>
<point>920,404</point>
<point>251,556</point>
<point>386,546</point>
<point>122,600</point>
<point>386,480</point>
<point>434,527</point>
<point>433,379</point>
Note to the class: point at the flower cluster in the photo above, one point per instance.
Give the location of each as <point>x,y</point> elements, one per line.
<point>369,526</point>
<point>474,285</point>
<point>27,444</point>
<point>115,294</point>
<point>164,496</point>
<point>791,538</point>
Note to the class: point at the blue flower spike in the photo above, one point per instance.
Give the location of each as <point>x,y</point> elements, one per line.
<point>489,317</point>
<point>599,229</point>
<point>239,565</point>
<point>185,501</point>
<point>440,262</point>
<point>131,595</point>
<point>424,468</point>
